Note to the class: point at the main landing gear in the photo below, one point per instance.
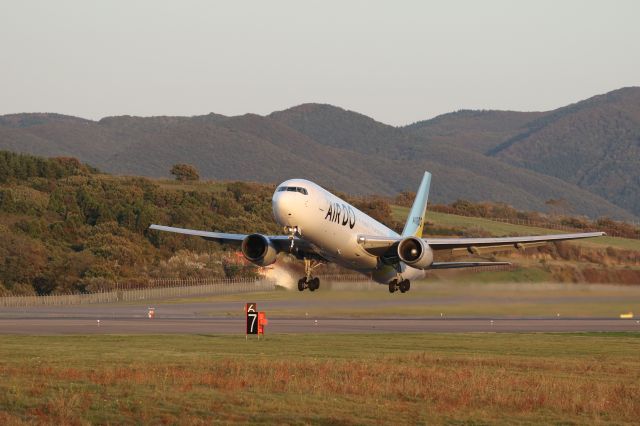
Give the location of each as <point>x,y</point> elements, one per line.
<point>403,286</point>
<point>313,284</point>
<point>308,281</point>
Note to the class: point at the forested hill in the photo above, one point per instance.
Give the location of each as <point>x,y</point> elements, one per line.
<point>594,144</point>
<point>339,149</point>
<point>478,131</point>
<point>67,228</point>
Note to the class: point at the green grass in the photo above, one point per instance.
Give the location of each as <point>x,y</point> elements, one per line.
<point>505,229</point>
<point>623,243</point>
<point>321,379</point>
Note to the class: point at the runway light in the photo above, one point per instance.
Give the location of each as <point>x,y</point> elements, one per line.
<point>628,315</point>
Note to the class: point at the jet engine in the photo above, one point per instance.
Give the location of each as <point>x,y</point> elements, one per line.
<point>258,249</point>
<point>415,253</point>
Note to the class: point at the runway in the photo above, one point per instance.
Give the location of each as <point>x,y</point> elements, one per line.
<point>57,325</point>
<point>331,312</point>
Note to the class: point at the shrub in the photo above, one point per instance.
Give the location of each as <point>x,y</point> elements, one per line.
<point>185,172</point>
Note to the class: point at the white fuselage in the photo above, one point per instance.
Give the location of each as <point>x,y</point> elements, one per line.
<point>332,225</point>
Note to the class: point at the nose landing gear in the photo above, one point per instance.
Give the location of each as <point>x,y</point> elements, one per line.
<point>292,232</point>
<point>403,286</point>
<point>308,281</point>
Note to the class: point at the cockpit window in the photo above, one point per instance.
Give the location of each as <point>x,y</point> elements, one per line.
<point>293,189</point>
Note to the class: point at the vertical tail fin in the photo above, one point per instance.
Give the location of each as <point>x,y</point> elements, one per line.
<point>415,221</point>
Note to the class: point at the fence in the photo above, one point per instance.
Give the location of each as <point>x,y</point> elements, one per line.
<point>179,288</point>
<point>165,288</point>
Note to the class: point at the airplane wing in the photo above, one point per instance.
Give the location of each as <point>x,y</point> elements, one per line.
<point>380,245</point>
<point>485,245</point>
<point>212,236</point>
<point>281,242</point>
<point>453,265</point>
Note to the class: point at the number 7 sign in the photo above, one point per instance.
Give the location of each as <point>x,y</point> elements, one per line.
<point>252,318</point>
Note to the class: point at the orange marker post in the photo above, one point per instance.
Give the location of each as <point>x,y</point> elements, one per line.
<point>262,321</point>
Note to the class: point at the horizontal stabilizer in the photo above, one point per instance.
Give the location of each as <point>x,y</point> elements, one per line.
<point>454,265</point>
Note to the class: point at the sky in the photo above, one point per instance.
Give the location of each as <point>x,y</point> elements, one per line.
<point>396,61</point>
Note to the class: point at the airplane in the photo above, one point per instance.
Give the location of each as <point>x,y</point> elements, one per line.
<point>321,227</point>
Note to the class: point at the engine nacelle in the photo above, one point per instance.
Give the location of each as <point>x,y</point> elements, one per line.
<point>415,253</point>
<point>258,249</point>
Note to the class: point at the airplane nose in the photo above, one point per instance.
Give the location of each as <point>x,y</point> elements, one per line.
<point>282,205</point>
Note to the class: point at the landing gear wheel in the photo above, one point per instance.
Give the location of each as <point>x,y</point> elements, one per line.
<point>307,281</point>
<point>315,284</point>
<point>393,285</point>
<point>405,285</point>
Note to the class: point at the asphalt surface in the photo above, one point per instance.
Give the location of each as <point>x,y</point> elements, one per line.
<point>57,325</point>
<point>197,318</point>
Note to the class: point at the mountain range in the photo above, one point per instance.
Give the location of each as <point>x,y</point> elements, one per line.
<point>587,153</point>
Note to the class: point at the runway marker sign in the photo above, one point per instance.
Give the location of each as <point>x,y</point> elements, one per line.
<point>255,320</point>
<point>251,310</point>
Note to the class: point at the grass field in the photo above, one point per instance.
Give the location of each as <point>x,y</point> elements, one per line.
<point>321,379</point>
<point>504,229</point>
